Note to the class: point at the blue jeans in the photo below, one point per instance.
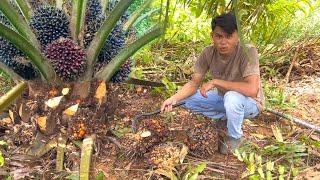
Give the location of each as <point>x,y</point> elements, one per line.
<point>233,106</point>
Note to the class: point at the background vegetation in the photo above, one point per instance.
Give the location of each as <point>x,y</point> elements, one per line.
<point>276,28</point>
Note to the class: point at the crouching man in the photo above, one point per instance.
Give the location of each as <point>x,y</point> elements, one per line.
<point>234,92</point>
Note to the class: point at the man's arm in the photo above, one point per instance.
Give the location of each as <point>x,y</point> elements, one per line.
<point>249,87</point>
<point>187,90</point>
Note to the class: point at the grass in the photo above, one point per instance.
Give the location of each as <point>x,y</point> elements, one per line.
<point>276,97</point>
<point>279,158</point>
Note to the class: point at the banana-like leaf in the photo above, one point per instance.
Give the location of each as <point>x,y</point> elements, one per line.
<point>108,70</point>
<point>77,18</point>
<point>86,152</point>
<point>102,35</point>
<point>18,22</point>
<point>25,8</point>
<point>146,15</point>
<point>10,96</point>
<point>33,53</point>
<point>136,15</point>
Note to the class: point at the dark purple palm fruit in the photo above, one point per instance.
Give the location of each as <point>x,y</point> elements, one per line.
<point>123,73</point>
<point>50,23</point>
<point>93,10</point>
<point>7,49</point>
<point>67,58</point>
<point>91,28</point>
<point>203,139</point>
<point>35,3</point>
<point>115,42</point>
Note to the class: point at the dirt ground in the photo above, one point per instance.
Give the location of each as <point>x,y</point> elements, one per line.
<point>307,95</point>
<point>110,121</point>
<point>109,158</point>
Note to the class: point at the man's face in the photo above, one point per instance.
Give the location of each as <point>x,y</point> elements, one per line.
<point>224,42</point>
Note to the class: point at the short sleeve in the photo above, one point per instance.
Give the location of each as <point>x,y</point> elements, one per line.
<point>251,66</point>
<point>201,66</point>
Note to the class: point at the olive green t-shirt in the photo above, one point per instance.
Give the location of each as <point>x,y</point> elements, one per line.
<point>235,68</point>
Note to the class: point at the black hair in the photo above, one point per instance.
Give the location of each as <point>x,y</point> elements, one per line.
<point>226,21</point>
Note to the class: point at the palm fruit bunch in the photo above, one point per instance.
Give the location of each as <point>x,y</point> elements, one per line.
<point>13,57</point>
<point>150,133</point>
<point>136,144</point>
<point>84,123</point>
<point>203,139</point>
<point>155,126</point>
<point>123,73</point>
<point>67,58</point>
<point>115,42</point>
<point>93,10</point>
<point>35,3</point>
<point>79,131</point>
<point>165,156</point>
<point>50,23</point>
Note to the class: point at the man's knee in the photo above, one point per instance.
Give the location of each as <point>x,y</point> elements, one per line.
<point>233,100</point>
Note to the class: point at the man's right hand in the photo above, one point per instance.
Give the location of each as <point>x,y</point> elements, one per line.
<point>187,90</point>
<point>167,104</point>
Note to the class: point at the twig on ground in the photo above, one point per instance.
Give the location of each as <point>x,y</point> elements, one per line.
<point>215,170</point>
<point>295,120</point>
<point>116,142</point>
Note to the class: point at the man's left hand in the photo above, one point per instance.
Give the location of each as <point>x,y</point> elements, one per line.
<point>206,87</point>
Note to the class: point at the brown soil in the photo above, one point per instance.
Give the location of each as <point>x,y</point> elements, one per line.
<point>110,120</point>
<point>113,119</point>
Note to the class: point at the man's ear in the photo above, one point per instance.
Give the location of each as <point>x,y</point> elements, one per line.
<point>237,35</point>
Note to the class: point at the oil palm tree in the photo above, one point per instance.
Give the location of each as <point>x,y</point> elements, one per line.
<point>73,42</point>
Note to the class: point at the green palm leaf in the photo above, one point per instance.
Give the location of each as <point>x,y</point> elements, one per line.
<point>25,8</point>
<point>18,22</point>
<point>107,71</point>
<point>136,15</point>
<point>101,36</point>
<point>78,18</point>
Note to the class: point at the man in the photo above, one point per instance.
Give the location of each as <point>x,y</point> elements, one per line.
<point>234,92</point>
